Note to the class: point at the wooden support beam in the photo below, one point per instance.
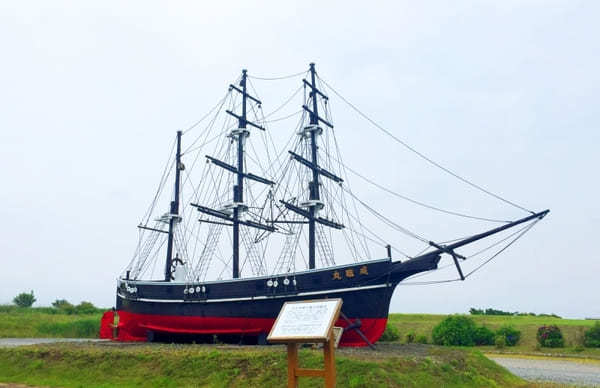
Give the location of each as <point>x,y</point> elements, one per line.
<point>329,360</point>
<point>310,372</point>
<point>328,373</point>
<point>292,353</point>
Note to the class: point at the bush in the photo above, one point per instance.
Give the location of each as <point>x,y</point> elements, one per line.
<point>391,333</point>
<point>85,308</point>
<point>550,337</point>
<point>421,339</point>
<point>483,336</point>
<point>455,330</point>
<point>24,299</point>
<point>491,311</point>
<point>510,334</point>
<point>550,316</point>
<point>500,341</point>
<point>591,338</point>
<point>61,304</point>
<point>410,337</point>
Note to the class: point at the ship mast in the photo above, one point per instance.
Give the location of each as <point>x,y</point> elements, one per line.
<point>311,208</point>
<point>174,211</point>
<point>238,190</point>
<point>233,212</point>
<point>314,185</point>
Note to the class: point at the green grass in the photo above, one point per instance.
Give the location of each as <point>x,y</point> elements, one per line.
<point>46,322</point>
<point>108,365</point>
<point>572,330</point>
<point>51,322</point>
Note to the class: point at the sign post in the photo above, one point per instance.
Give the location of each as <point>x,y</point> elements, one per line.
<point>308,321</point>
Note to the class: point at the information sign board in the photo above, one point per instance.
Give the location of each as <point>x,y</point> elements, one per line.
<point>305,321</point>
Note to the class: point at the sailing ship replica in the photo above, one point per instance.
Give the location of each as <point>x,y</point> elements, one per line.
<point>296,195</point>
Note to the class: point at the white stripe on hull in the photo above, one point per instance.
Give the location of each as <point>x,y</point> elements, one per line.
<point>257,297</point>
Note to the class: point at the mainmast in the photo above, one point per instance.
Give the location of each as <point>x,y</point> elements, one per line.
<point>238,190</point>
<point>174,211</point>
<point>233,212</point>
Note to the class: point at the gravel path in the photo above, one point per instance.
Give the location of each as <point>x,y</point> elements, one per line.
<point>566,371</point>
<point>12,342</point>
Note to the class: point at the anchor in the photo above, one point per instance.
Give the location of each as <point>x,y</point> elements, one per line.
<point>356,326</point>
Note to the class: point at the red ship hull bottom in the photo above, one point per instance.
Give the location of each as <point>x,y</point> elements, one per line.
<point>135,327</point>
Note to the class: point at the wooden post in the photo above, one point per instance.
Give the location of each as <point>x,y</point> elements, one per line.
<point>328,373</point>
<point>329,359</point>
<point>292,352</point>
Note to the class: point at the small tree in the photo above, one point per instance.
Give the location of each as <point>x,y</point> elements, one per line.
<point>85,308</point>
<point>391,333</point>
<point>455,330</point>
<point>591,338</point>
<point>510,334</point>
<point>483,336</point>
<point>421,339</point>
<point>550,337</point>
<point>24,299</point>
<point>500,342</point>
<point>61,304</point>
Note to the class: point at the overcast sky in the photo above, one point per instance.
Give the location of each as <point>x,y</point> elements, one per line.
<point>506,93</point>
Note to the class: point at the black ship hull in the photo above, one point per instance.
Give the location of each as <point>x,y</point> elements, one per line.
<point>248,307</point>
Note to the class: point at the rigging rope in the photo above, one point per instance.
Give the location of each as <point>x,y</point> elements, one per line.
<point>387,220</point>
<point>165,175</point>
<point>421,155</point>
<point>278,77</point>
<point>414,201</point>
<point>287,101</point>
<point>284,117</point>
<point>519,233</point>
<point>206,115</point>
<point>525,230</point>
<point>210,125</point>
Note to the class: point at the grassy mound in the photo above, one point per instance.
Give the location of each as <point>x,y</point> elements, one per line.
<point>108,364</point>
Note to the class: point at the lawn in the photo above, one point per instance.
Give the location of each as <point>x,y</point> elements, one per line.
<point>110,364</point>
<point>18,322</point>
<point>572,330</point>
<point>115,364</point>
<point>50,322</point>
